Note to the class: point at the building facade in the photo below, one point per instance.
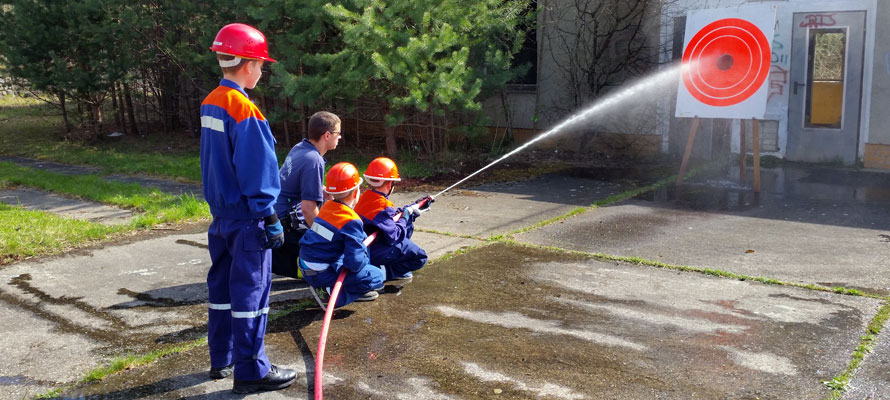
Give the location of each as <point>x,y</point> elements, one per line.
<point>829,82</point>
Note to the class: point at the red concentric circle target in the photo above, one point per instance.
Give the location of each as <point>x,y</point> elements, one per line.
<point>726,62</point>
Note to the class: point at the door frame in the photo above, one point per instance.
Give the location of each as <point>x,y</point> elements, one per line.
<point>851,148</point>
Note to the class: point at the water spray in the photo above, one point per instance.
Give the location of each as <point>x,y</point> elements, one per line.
<point>598,107</point>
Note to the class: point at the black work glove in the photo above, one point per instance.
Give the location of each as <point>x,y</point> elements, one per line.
<point>274,232</point>
<point>424,203</point>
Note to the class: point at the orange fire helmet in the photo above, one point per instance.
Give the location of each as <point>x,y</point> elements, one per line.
<point>382,169</point>
<point>342,178</point>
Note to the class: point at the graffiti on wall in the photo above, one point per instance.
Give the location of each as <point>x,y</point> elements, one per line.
<point>778,79</point>
<point>779,55</point>
<point>778,72</point>
<point>818,21</point>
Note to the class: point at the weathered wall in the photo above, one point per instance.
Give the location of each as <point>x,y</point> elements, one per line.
<point>879,122</point>
<point>877,150</point>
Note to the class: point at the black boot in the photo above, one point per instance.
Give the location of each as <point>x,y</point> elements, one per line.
<point>274,380</point>
<point>221,372</point>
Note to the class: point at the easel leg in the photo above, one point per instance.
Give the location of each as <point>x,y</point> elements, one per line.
<point>755,137</point>
<point>692,132</point>
<point>743,152</point>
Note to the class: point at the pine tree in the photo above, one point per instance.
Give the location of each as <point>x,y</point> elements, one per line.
<point>72,49</point>
<point>413,57</point>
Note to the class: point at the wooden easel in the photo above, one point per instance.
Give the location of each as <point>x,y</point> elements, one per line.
<point>743,162</point>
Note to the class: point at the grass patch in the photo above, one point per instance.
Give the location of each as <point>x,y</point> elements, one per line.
<point>300,306</point>
<point>33,129</point>
<point>840,383</point>
<point>157,207</point>
<point>26,233</point>
<point>122,363</point>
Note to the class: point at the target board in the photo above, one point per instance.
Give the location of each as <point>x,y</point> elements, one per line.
<point>726,62</point>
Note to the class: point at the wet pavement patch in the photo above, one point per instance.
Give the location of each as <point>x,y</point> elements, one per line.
<point>521,322</point>
<point>788,240</point>
<point>534,323</point>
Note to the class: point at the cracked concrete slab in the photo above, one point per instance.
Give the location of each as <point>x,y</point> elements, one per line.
<point>872,379</point>
<point>37,356</point>
<point>794,251</point>
<point>524,323</point>
<point>127,298</point>
<point>808,225</point>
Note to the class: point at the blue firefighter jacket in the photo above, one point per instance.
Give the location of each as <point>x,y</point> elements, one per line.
<point>377,214</point>
<point>239,167</point>
<point>335,239</point>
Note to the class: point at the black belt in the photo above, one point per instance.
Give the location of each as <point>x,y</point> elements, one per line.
<point>290,226</point>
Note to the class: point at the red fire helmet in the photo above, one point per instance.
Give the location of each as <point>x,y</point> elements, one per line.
<point>243,41</point>
<point>382,169</point>
<point>342,178</point>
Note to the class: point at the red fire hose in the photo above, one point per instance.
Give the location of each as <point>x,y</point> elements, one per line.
<point>329,312</point>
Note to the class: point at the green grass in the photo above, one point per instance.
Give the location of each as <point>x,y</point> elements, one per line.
<point>25,233</point>
<point>157,207</point>
<point>132,361</point>
<point>33,129</point>
<point>121,363</point>
<point>840,383</point>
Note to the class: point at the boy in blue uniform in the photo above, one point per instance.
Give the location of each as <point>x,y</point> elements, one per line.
<point>239,171</point>
<point>335,241</point>
<point>393,251</point>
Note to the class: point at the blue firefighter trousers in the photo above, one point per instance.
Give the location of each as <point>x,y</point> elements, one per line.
<point>398,259</point>
<point>238,289</point>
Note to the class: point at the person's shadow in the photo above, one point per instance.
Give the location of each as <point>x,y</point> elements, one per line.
<point>294,323</point>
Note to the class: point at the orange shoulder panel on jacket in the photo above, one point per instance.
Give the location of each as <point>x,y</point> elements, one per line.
<point>235,103</point>
<point>371,203</point>
<point>337,214</point>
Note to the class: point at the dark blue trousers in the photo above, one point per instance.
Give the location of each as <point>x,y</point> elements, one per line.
<point>398,259</point>
<point>238,289</point>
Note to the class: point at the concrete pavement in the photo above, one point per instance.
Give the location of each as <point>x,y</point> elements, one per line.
<point>506,320</point>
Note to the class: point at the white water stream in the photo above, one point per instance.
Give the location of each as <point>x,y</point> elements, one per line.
<point>643,87</point>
